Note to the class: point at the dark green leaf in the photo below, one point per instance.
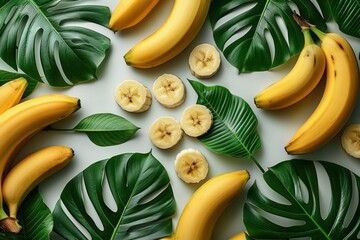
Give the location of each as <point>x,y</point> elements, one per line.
<point>68,54</point>
<point>6,76</point>
<point>346,13</point>
<point>299,214</point>
<point>141,189</point>
<point>106,129</point>
<point>234,131</point>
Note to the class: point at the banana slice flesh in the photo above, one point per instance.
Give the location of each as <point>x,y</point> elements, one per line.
<point>132,96</point>
<point>169,90</point>
<point>191,166</point>
<point>196,120</point>
<point>165,132</point>
<point>350,140</point>
<point>204,61</point>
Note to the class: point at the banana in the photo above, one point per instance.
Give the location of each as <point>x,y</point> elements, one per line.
<point>174,35</point>
<point>11,93</point>
<point>350,140</point>
<point>339,98</point>
<point>299,82</point>
<point>169,90</point>
<point>165,132</point>
<point>204,61</point>
<point>24,120</point>
<point>133,96</point>
<point>196,120</point>
<point>200,214</point>
<point>28,173</point>
<point>191,166</point>
<point>129,13</point>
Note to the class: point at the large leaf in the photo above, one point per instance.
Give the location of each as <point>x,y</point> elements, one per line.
<point>234,131</point>
<point>347,15</point>
<point>298,213</point>
<point>139,186</point>
<point>42,40</point>
<point>34,217</point>
<point>6,76</point>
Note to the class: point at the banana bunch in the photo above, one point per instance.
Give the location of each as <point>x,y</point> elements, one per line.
<point>200,214</point>
<point>174,35</point>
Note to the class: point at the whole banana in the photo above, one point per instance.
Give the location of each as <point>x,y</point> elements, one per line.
<point>339,98</point>
<point>28,173</point>
<point>11,93</point>
<point>130,12</point>
<point>21,122</point>
<point>200,214</point>
<point>176,33</point>
<point>299,82</point>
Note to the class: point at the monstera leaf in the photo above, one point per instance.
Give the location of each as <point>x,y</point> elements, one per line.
<point>139,186</point>
<point>347,14</point>
<point>234,131</point>
<point>296,212</point>
<point>42,40</point>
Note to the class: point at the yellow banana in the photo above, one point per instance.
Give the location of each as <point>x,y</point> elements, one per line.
<point>130,12</point>
<point>176,33</point>
<point>11,93</point>
<point>28,173</point>
<point>299,82</point>
<point>200,214</point>
<point>339,98</point>
<point>21,122</point>
<point>240,236</point>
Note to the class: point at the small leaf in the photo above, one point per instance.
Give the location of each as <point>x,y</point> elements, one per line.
<point>106,129</point>
<point>234,131</point>
<point>140,187</point>
<point>6,76</point>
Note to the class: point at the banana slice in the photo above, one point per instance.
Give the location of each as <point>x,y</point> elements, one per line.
<point>350,140</point>
<point>169,90</point>
<point>191,166</point>
<point>196,120</point>
<point>204,61</point>
<point>133,96</point>
<point>165,132</point>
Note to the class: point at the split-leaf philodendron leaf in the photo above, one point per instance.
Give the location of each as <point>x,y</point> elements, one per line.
<point>42,40</point>
<point>297,210</point>
<point>140,189</point>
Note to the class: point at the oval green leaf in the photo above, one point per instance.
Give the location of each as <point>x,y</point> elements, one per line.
<point>140,187</point>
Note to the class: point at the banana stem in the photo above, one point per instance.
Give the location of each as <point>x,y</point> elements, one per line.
<point>257,164</point>
<point>301,21</point>
<point>318,33</point>
<point>3,214</point>
<point>307,37</point>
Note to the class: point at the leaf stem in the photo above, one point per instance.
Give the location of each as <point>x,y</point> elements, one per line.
<point>257,163</point>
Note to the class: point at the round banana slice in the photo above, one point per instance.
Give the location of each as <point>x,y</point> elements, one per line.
<point>350,140</point>
<point>133,96</point>
<point>191,166</point>
<point>169,90</point>
<point>196,120</point>
<point>204,61</point>
<point>165,132</point>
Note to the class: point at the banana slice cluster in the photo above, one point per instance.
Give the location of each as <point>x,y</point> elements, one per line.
<point>204,61</point>
<point>169,90</point>
<point>165,132</point>
<point>196,120</point>
<point>350,140</point>
<point>191,166</point>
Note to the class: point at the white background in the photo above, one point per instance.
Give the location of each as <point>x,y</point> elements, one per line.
<point>275,127</point>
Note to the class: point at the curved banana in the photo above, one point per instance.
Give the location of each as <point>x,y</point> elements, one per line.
<point>24,120</point>
<point>176,33</point>
<point>200,214</point>
<point>299,82</point>
<point>129,13</point>
<point>28,173</point>
<point>11,93</point>
<point>339,98</point>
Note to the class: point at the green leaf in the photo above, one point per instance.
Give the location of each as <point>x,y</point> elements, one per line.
<point>298,214</point>
<point>6,76</point>
<point>234,131</point>
<point>141,189</point>
<point>45,29</point>
<point>346,13</point>
<point>34,217</point>
<point>106,129</point>
<point>240,28</point>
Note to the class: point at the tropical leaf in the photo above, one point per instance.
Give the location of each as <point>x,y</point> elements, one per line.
<point>346,13</point>
<point>234,131</point>
<point>34,217</point>
<point>245,30</point>
<point>140,187</point>
<point>6,76</point>
<point>42,40</point>
<point>298,213</point>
